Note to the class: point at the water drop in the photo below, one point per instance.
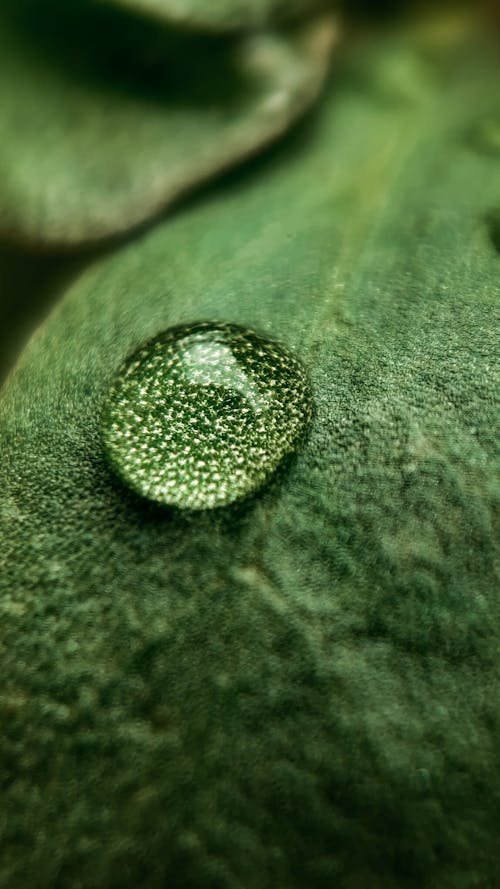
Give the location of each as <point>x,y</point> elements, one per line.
<point>203,415</point>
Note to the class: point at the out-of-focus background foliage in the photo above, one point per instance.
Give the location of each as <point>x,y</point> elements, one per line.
<point>32,277</point>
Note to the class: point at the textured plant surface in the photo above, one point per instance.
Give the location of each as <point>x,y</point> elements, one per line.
<point>301,691</point>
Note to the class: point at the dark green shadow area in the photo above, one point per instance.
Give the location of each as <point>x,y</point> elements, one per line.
<point>29,285</point>
<point>126,53</point>
<point>493,226</point>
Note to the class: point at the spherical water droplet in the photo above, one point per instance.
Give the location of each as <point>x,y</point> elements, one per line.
<point>203,414</point>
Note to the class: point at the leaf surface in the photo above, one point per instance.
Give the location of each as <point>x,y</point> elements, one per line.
<point>302,692</point>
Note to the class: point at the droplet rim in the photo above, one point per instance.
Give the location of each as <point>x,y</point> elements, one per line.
<point>259,479</point>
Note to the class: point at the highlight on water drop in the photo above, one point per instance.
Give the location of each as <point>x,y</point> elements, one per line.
<point>203,414</point>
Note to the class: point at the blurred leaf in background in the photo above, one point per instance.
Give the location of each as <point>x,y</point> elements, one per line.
<point>92,144</point>
<point>222,15</point>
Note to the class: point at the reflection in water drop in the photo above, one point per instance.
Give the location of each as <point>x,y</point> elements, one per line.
<point>203,414</point>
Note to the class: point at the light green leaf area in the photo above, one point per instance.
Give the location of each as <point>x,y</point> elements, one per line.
<point>220,15</point>
<point>104,121</point>
<point>302,692</point>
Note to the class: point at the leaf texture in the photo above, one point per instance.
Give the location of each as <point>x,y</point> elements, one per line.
<point>302,692</point>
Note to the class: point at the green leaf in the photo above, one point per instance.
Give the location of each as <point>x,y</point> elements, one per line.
<point>302,692</point>
<point>220,15</point>
<point>91,146</point>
